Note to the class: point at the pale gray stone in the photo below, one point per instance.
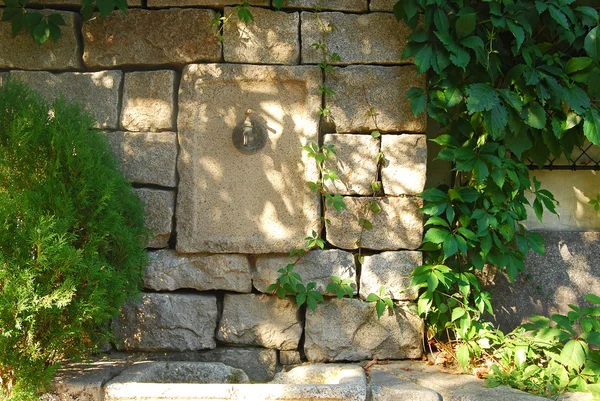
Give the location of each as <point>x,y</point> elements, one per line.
<point>355,163</point>
<point>272,38</point>
<point>170,271</point>
<point>317,266</point>
<point>391,270</point>
<point>387,387</point>
<point>96,92</point>
<point>24,53</point>
<point>231,202</point>
<point>143,37</point>
<point>167,322</point>
<point>148,101</point>
<point>385,89</point>
<point>177,373</point>
<point>323,373</point>
<point>340,5</point>
<point>398,225</point>
<point>201,3</point>
<point>375,38</point>
<point>159,208</point>
<point>289,357</point>
<point>260,320</point>
<point>260,364</point>
<point>382,5</point>
<point>146,157</point>
<point>405,167</point>
<point>349,330</point>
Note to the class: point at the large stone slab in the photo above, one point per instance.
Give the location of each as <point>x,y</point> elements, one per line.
<point>404,171</point>
<point>169,271</point>
<point>76,3</point>
<point>231,202</point>
<point>149,101</point>
<point>159,207</point>
<point>375,38</point>
<point>355,162</point>
<point>167,322</point>
<point>260,320</point>
<point>317,266</point>
<point>23,52</point>
<point>96,92</point>
<point>387,387</point>
<point>201,3</point>
<point>398,225</point>
<point>146,157</point>
<point>391,270</point>
<point>272,38</point>
<point>341,5</point>
<point>260,364</point>
<point>142,37</point>
<point>348,330</point>
<point>385,89</point>
<point>382,5</point>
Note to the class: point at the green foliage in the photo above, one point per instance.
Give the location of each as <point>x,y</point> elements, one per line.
<point>72,244</point>
<point>381,302</point>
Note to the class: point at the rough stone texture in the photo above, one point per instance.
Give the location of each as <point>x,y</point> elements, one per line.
<point>159,207</point>
<point>317,266</point>
<point>201,3</point>
<point>355,163</point>
<point>387,387</point>
<point>231,202</point>
<point>259,364</point>
<point>143,37</point>
<point>340,5</point>
<point>130,3</point>
<point>375,38</point>
<point>567,272</point>
<point>178,373</point>
<point>321,373</point>
<point>392,271</point>
<point>404,172</point>
<point>398,225</point>
<point>96,92</point>
<point>382,5</point>
<point>289,358</point>
<point>272,38</point>
<point>348,330</point>
<point>149,101</point>
<point>260,320</point>
<point>23,52</point>
<point>385,88</point>
<point>170,271</point>
<point>167,322</point>
<point>146,157</point>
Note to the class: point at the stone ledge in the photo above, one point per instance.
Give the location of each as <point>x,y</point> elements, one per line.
<point>337,5</point>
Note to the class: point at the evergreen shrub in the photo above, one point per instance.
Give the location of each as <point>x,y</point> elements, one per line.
<point>71,243</point>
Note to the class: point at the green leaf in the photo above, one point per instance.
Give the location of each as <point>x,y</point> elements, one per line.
<point>460,57</point>
<point>41,33</point>
<point>55,32</point>
<point>481,97</point>
<point>105,7</point>
<point>424,59</point>
<point>418,100</point>
<point>450,246</point>
<point>535,116</point>
<point>436,235</point>
<point>591,126</point>
<point>574,354</point>
<point>372,297</point>
<point>311,303</point>
<point>463,356</point>
<point>518,31</point>
<point>577,64</point>
<point>592,44</point>
<point>441,20</point>
<point>558,16</point>
<point>380,308</point>
<point>592,298</point>
<point>577,99</point>
<point>465,25</point>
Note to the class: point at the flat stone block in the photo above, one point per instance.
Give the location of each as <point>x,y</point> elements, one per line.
<point>260,320</point>
<point>355,163</point>
<point>272,38</point>
<point>348,330</point>
<point>169,271</point>
<point>167,322</point>
<point>96,92</point>
<point>398,225</point>
<point>391,270</point>
<point>289,358</point>
<point>148,101</point>
<point>387,387</point>
<point>159,207</point>
<point>375,38</point>
<point>385,89</point>
<point>201,3</point>
<point>382,5</point>
<point>404,172</point>
<point>260,364</point>
<point>317,266</point>
<point>340,5</point>
<point>146,157</point>
<point>24,53</point>
<point>232,202</point>
<point>130,3</point>
<point>143,37</point>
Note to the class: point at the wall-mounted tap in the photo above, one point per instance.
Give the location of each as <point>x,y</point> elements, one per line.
<point>250,136</point>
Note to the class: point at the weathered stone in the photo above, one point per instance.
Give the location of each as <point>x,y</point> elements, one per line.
<point>130,3</point>
<point>259,364</point>
<point>231,202</point>
<point>23,52</point>
<point>176,373</point>
<point>159,207</point>
<point>143,37</point>
<point>261,320</point>
<point>3,77</point>
<point>96,92</point>
<point>385,89</point>
<point>375,38</point>
<point>323,373</point>
<point>348,330</point>
<point>167,322</point>
<point>387,387</point>
<point>382,5</point>
<point>289,358</point>
<point>148,101</point>
<point>404,171</point>
<point>392,271</point>
<point>272,38</point>
<point>169,271</point>
<point>355,163</point>
<point>340,5</point>
<point>201,3</point>
<point>146,157</point>
<point>317,266</point>
<point>397,226</point>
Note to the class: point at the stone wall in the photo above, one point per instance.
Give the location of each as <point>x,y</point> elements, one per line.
<point>168,94</point>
